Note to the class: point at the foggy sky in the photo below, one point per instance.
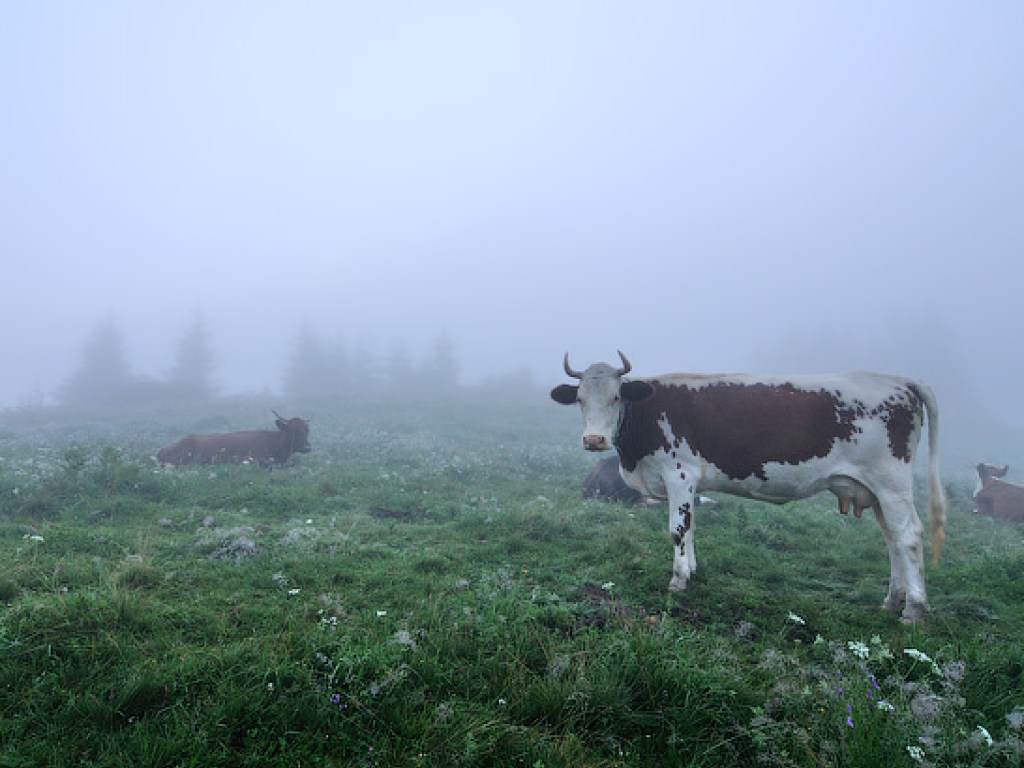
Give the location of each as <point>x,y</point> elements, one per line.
<point>707,186</point>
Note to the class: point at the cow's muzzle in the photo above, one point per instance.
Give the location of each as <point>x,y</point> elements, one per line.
<point>595,443</point>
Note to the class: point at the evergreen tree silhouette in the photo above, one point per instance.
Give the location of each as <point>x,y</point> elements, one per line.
<point>440,370</point>
<point>309,370</point>
<point>191,377</point>
<point>102,376</point>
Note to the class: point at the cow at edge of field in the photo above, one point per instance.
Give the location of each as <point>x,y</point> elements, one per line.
<point>266,447</point>
<point>776,439</point>
<point>997,498</point>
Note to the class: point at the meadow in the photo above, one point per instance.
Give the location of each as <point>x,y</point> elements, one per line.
<point>428,588</point>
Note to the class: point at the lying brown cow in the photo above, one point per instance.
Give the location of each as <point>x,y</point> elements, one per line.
<point>997,498</point>
<point>267,448</point>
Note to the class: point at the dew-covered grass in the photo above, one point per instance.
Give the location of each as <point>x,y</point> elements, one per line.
<point>427,588</point>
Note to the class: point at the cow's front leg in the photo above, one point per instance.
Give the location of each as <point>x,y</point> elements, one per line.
<point>680,526</point>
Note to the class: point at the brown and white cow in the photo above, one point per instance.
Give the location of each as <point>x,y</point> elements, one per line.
<point>773,438</point>
<point>997,498</point>
<point>265,447</point>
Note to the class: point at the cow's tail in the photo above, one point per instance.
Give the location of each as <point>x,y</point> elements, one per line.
<point>936,494</point>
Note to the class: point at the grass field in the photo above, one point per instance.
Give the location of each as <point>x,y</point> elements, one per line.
<point>427,588</point>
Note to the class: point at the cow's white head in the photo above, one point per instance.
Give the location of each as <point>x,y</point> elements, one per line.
<point>601,394</point>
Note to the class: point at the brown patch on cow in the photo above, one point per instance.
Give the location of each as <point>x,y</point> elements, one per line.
<point>738,427</point>
<point>902,413</point>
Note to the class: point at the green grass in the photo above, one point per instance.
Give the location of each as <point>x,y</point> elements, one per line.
<point>427,589</point>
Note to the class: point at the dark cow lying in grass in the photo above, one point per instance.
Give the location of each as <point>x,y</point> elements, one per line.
<point>267,448</point>
<point>605,482</point>
<point>773,438</point>
<point>997,498</point>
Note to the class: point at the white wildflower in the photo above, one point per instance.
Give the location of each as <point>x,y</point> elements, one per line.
<point>917,655</point>
<point>293,591</point>
<point>916,753</point>
<point>795,619</point>
<point>858,649</point>
<point>607,586</point>
<point>33,537</point>
<point>886,706</point>
<point>880,649</point>
<point>381,614</point>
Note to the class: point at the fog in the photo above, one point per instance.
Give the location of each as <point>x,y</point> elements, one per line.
<point>709,187</point>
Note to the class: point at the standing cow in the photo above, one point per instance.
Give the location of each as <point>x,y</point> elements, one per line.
<point>773,438</point>
<point>265,447</point>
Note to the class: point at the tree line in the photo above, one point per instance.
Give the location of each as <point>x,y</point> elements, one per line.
<point>314,367</point>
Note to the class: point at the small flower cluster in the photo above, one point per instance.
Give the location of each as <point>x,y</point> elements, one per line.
<point>924,658</point>
<point>864,694</point>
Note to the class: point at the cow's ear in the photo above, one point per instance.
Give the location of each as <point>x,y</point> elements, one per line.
<point>1002,471</point>
<point>281,424</point>
<point>634,391</point>
<point>564,394</point>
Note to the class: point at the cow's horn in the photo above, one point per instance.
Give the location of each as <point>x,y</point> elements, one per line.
<point>277,414</point>
<point>568,369</point>
<point>626,365</point>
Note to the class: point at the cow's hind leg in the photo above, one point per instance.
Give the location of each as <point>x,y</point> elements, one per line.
<point>904,536</point>
<point>897,592</point>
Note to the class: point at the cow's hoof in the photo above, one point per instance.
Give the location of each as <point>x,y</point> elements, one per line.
<point>913,613</point>
<point>677,585</point>
<point>893,603</point>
